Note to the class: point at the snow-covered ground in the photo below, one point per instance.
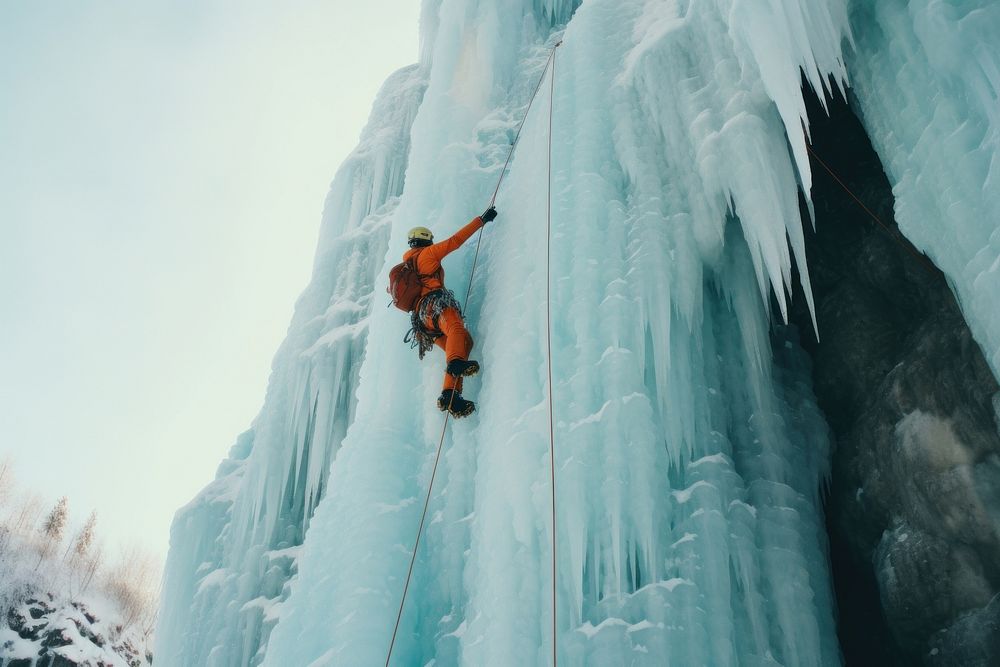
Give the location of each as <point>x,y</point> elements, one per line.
<point>86,630</point>
<point>62,599</point>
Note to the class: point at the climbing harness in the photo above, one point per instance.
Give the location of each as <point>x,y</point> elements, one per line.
<point>430,307</point>
<point>550,63</point>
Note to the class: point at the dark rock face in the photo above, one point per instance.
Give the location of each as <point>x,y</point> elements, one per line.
<point>972,640</point>
<point>914,506</point>
<point>49,628</point>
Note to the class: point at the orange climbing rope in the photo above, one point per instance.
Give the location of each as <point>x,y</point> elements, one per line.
<point>437,457</point>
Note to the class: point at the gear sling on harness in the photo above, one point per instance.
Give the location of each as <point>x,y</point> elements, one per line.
<point>429,308</point>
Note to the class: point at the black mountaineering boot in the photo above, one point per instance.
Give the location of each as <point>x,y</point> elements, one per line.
<point>459,407</point>
<point>459,367</point>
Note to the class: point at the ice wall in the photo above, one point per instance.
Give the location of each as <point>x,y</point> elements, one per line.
<point>926,75</point>
<point>689,457</point>
<point>233,548</point>
<point>689,450</point>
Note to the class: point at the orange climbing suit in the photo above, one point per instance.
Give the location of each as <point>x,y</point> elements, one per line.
<point>455,339</point>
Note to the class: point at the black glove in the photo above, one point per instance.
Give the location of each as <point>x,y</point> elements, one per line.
<point>489,214</point>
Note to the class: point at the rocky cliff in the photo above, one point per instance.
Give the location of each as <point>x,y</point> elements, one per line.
<point>914,504</point>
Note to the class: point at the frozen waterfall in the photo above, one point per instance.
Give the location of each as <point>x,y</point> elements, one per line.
<point>690,453</point>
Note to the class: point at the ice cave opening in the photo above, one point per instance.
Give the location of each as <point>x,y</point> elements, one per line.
<point>907,394</point>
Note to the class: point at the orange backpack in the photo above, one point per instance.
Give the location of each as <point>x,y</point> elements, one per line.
<point>405,285</point>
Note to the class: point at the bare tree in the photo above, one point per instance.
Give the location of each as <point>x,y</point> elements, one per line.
<point>131,582</point>
<point>78,547</point>
<point>52,529</point>
<point>6,491</point>
<point>91,564</point>
<point>26,515</point>
<point>149,617</point>
<point>6,480</point>
<point>55,522</point>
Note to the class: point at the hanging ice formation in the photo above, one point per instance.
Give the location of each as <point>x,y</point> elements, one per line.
<point>689,450</point>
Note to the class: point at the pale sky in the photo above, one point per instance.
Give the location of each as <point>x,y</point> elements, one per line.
<point>163,167</point>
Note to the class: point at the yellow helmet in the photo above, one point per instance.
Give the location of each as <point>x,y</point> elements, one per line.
<point>420,236</point>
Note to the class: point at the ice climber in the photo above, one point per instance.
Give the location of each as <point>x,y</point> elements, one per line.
<point>437,315</point>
